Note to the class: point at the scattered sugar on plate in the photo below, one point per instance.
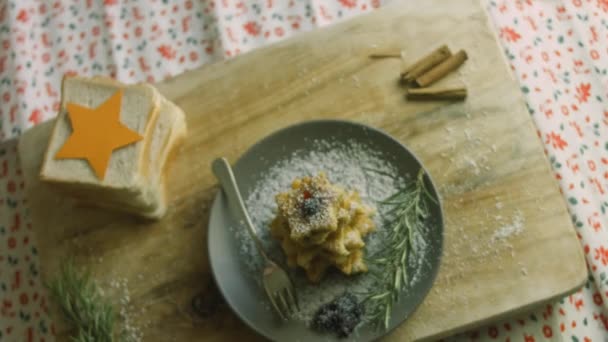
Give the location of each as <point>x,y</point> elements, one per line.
<point>350,165</point>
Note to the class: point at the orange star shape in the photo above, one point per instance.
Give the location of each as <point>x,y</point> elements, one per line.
<point>96,133</point>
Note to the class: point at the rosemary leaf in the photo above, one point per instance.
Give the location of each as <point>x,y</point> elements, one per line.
<point>398,279</point>
<point>380,296</point>
<point>82,305</point>
<point>387,315</point>
<point>405,211</point>
<point>404,274</point>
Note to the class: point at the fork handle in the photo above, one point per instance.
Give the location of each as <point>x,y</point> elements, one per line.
<point>222,170</point>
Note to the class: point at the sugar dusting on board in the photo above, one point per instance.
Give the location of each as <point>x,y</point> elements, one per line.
<point>474,159</point>
<point>510,229</point>
<point>127,314</point>
<point>352,166</point>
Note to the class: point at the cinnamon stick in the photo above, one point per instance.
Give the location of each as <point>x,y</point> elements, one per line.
<point>436,94</point>
<point>444,68</point>
<point>385,54</point>
<point>425,64</point>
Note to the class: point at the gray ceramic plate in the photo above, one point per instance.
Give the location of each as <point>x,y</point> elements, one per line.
<point>235,280</point>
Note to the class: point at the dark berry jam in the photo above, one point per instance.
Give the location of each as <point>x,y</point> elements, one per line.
<point>340,316</point>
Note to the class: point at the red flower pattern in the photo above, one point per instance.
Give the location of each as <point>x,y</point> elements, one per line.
<point>252,28</point>
<point>547,331</point>
<point>601,254</point>
<point>167,51</point>
<point>563,83</point>
<point>583,91</point>
<point>556,141</point>
<point>35,116</point>
<point>509,34</point>
<point>349,3</point>
<point>23,16</point>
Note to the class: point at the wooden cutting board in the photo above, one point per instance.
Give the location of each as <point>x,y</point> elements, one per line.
<point>509,243</point>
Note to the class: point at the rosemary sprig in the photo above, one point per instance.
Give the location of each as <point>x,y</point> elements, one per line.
<point>406,209</point>
<point>82,305</point>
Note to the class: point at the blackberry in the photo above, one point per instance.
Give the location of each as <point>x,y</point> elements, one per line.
<point>340,316</point>
<point>311,206</point>
<point>326,318</point>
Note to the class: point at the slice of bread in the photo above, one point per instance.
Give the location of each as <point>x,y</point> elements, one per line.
<point>133,180</point>
<point>170,131</point>
<point>139,110</point>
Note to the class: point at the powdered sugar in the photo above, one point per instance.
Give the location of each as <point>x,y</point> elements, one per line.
<point>515,227</point>
<point>351,166</point>
<point>308,214</point>
<point>129,329</point>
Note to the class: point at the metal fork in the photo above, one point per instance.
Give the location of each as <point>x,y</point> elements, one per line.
<point>277,284</point>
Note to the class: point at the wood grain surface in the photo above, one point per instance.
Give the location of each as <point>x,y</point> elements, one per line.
<point>509,243</point>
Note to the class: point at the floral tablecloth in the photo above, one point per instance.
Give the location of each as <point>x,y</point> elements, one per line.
<point>558,50</point>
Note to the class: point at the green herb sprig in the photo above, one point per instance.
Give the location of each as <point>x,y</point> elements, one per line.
<point>82,305</point>
<point>406,209</point>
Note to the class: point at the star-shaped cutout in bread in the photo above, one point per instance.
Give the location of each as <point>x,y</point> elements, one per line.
<point>96,133</point>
